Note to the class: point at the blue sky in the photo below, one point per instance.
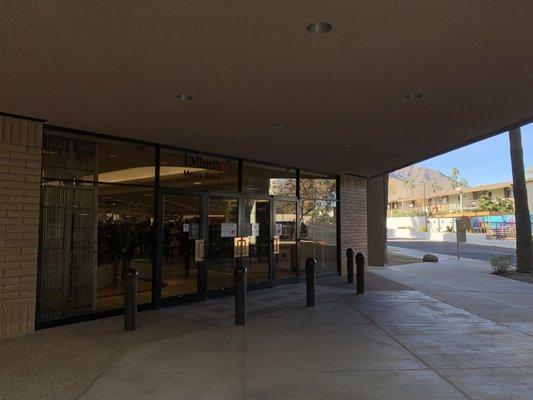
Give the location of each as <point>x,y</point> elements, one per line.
<point>484,162</point>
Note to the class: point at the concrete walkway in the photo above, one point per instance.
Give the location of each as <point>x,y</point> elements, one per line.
<point>423,331</point>
<point>385,344</point>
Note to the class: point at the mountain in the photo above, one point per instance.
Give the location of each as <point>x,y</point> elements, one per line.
<point>408,182</point>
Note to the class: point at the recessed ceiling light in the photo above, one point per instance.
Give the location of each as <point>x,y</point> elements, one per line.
<point>184,97</point>
<point>412,96</point>
<point>319,28</point>
<point>197,183</point>
<point>112,155</point>
<point>281,126</point>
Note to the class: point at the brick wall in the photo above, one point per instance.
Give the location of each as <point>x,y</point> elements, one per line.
<point>377,220</point>
<point>20,176</point>
<point>353,216</point>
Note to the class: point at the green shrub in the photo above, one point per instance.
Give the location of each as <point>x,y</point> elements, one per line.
<point>501,264</point>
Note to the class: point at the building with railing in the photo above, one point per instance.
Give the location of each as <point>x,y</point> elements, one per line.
<point>492,197</point>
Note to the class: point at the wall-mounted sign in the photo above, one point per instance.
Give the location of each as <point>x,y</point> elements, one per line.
<point>194,231</point>
<point>228,229</point>
<point>185,227</point>
<point>204,165</point>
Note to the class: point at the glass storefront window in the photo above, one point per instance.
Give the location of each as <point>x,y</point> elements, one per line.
<point>90,234</point>
<point>318,234</point>
<point>97,220</point>
<point>262,179</point>
<point>127,163</point>
<point>195,171</point>
<point>314,186</point>
<point>66,157</point>
<point>126,233</point>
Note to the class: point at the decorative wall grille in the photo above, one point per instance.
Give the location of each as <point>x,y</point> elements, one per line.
<point>68,229</point>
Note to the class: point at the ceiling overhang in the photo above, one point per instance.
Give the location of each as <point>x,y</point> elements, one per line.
<point>390,84</point>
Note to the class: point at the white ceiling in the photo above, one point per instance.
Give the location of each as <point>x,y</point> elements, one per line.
<point>115,67</point>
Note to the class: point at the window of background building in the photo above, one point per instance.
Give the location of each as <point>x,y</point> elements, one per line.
<point>318,227</point>
<point>263,179</point>
<point>195,171</point>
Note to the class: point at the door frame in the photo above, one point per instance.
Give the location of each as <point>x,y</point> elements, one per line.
<point>242,211</point>
<point>203,267</point>
<point>157,300</point>
<point>291,279</point>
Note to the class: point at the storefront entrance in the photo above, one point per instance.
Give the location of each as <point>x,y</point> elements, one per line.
<point>108,205</point>
<point>215,219</point>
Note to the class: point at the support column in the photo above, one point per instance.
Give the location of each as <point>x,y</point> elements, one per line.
<point>353,216</point>
<point>20,184</point>
<point>377,220</point>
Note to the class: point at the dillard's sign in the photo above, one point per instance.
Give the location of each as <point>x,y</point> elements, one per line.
<point>197,161</point>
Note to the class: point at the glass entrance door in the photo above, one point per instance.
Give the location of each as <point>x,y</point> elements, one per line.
<point>256,224</point>
<point>181,227</point>
<point>285,228</point>
<point>223,220</point>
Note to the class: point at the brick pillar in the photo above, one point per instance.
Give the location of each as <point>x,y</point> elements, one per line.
<point>20,184</point>
<point>377,220</point>
<point>353,216</point>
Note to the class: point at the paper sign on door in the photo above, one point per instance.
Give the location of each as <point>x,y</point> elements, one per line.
<point>228,229</point>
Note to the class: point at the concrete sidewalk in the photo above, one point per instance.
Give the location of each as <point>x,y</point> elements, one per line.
<point>388,344</point>
<point>403,339</point>
<point>469,284</point>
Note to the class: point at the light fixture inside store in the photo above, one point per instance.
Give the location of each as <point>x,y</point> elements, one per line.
<point>197,183</point>
<point>319,28</point>
<point>184,97</point>
<point>412,96</point>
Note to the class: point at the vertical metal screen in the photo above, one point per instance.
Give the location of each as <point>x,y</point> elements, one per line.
<point>68,229</point>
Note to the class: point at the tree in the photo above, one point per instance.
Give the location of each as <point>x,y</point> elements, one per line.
<point>500,205</point>
<point>524,244</point>
<point>409,185</point>
<point>457,180</point>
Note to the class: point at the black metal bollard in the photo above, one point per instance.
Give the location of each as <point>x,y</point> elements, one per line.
<point>130,300</point>
<point>239,275</point>
<point>350,254</point>
<point>310,275</point>
<point>360,262</point>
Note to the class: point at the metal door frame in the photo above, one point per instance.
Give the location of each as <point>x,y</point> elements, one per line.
<point>201,286</point>
<point>275,201</point>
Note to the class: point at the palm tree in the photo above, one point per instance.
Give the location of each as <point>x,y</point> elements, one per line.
<point>524,245</point>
